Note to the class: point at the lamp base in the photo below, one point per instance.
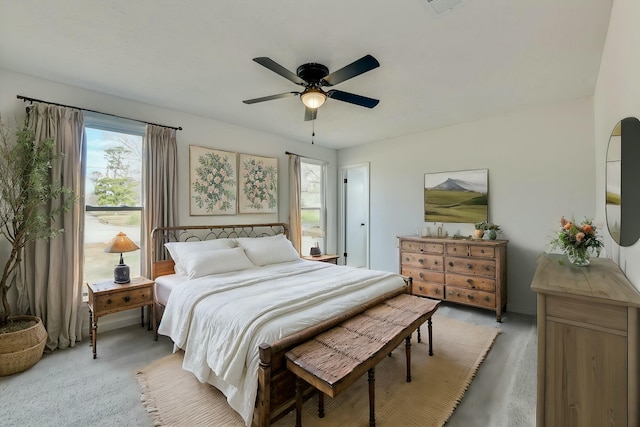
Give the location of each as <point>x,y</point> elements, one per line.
<point>121,274</point>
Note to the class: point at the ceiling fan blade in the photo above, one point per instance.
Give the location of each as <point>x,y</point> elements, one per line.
<point>310,114</point>
<point>352,98</point>
<point>279,69</point>
<point>362,65</point>
<point>269,98</point>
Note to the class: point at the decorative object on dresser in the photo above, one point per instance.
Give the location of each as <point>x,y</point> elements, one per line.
<point>333,259</point>
<point>108,297</point>
<point>119,244</point>
<point>588,342</point>
<point>470,272</point>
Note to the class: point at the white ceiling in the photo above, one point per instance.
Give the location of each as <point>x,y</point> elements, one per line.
<point>483,58</point>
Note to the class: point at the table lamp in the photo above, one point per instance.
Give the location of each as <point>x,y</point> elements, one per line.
<point>119,244</point>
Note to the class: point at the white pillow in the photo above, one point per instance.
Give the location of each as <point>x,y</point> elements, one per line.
<point>268,250</point>
<point>215,261</point>
<point>180,251</point>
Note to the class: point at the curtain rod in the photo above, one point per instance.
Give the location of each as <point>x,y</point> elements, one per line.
<point>306,157</point>
<point>27,99</point>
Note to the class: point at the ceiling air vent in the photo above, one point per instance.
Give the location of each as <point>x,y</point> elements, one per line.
<point>440,7</point>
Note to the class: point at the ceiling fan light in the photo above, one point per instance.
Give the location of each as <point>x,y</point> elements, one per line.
<point>313,98</point>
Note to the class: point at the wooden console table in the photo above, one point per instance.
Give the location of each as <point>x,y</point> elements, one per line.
<point>588,344</point>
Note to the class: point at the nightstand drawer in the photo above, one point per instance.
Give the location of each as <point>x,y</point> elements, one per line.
<point>122,300</point>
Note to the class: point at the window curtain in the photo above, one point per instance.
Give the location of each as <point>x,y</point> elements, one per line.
<point>160,187</point>
<point>50,278</point>
<point>295,221</point>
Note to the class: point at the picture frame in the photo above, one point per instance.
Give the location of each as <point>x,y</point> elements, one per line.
<point>457,197</point>
<point>213,181</point>
<point>258,184</point>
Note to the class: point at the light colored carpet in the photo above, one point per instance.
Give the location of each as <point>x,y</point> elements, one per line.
<point>174,397</point>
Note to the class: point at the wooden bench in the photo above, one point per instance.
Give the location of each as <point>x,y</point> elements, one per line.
<point>335,359</point>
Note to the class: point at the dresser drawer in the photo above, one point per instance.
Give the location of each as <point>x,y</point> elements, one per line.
<point>482,251</point>
<point>458,249</point>
<point>471,297</point>
<point>432,262</point>
<point>471,282</point>
<point>418,274</point>
<point>431,290</point>
<point>432,248</point>
<point>478,267</point>
<point>116,301</point>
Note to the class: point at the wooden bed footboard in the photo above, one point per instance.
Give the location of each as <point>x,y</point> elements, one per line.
<point>276,385</point>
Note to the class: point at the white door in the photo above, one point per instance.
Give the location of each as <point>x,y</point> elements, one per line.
<point>355,214</point>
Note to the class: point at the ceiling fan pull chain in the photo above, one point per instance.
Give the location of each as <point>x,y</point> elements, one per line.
<point>313,130</point>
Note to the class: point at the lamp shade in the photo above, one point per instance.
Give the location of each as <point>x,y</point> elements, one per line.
<point>313,97</point>
<point>121,243</point>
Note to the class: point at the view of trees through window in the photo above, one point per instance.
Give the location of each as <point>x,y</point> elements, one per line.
<point>113,198</point>
<point>312,206</point>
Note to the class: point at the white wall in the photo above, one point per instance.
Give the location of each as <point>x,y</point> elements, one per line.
<point>196,131</point>
<point>540,167</point>
<point>617,96</point>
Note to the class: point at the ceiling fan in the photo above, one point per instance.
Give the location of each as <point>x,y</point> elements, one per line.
<point>313,77</point>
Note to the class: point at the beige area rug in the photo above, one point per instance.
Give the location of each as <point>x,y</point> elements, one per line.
<point>174,397</point>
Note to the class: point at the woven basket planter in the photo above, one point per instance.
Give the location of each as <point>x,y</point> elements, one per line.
<point>21,350</point>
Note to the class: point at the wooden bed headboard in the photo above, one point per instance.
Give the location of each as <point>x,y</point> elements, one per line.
<point>162,264</point>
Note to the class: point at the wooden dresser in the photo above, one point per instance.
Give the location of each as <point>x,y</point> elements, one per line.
<point>588,344</point>
<point>465,271</point>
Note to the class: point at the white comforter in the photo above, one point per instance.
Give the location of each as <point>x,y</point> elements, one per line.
<point>220,320</point>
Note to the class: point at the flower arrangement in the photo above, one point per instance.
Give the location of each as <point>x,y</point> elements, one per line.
<point>577,241</point>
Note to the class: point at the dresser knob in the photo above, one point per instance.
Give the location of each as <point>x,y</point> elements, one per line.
<point>108,301</point>
<point>469,266</point>
<point>127,298</point>
<point>421,288</point>
<point>451,263</point>
<point>421,261</point>
<point>437,291</point>
<point>469,281</point>
<point>486,299</point>
<point>481,251</point>
<point>487,268</point>
<point>470,297</point>
<point>421,275</point>
<point>435,262</point>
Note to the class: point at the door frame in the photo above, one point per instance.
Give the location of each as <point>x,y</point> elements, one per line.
<point>343,212</point>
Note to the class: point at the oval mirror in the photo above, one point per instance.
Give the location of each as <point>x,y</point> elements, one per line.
<point>622,172</point>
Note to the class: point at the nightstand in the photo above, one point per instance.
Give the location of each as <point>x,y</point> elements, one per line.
<point>107,297</point>
<point>332,259</point>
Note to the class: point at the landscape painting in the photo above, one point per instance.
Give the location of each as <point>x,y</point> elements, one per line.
<point>460,196</point>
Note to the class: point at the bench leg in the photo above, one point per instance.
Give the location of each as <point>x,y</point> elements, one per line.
<point>407,345</point>
<point>372,397</point>
<point>320,404</point>
<point>299,396</point>
<point>429,326</point>
<point>419,336</point>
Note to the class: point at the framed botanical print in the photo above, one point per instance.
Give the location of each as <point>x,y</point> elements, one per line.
<point>258,184</point>
<point>213,181</point>
<point>460,196</point>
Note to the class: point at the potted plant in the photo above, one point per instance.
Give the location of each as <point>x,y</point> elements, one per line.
<point>478,233</point>
<point>493,229</point>
<point>25,168</point>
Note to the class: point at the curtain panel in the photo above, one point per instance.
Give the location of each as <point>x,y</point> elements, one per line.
<point>295,220</point>
<point>160,189</point>
<point>50,282</point>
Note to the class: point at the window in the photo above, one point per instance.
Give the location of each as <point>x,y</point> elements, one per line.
<point>312,205</point>
<point>113,193</point>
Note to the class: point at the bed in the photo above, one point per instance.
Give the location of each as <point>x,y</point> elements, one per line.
<point>235,298</point>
